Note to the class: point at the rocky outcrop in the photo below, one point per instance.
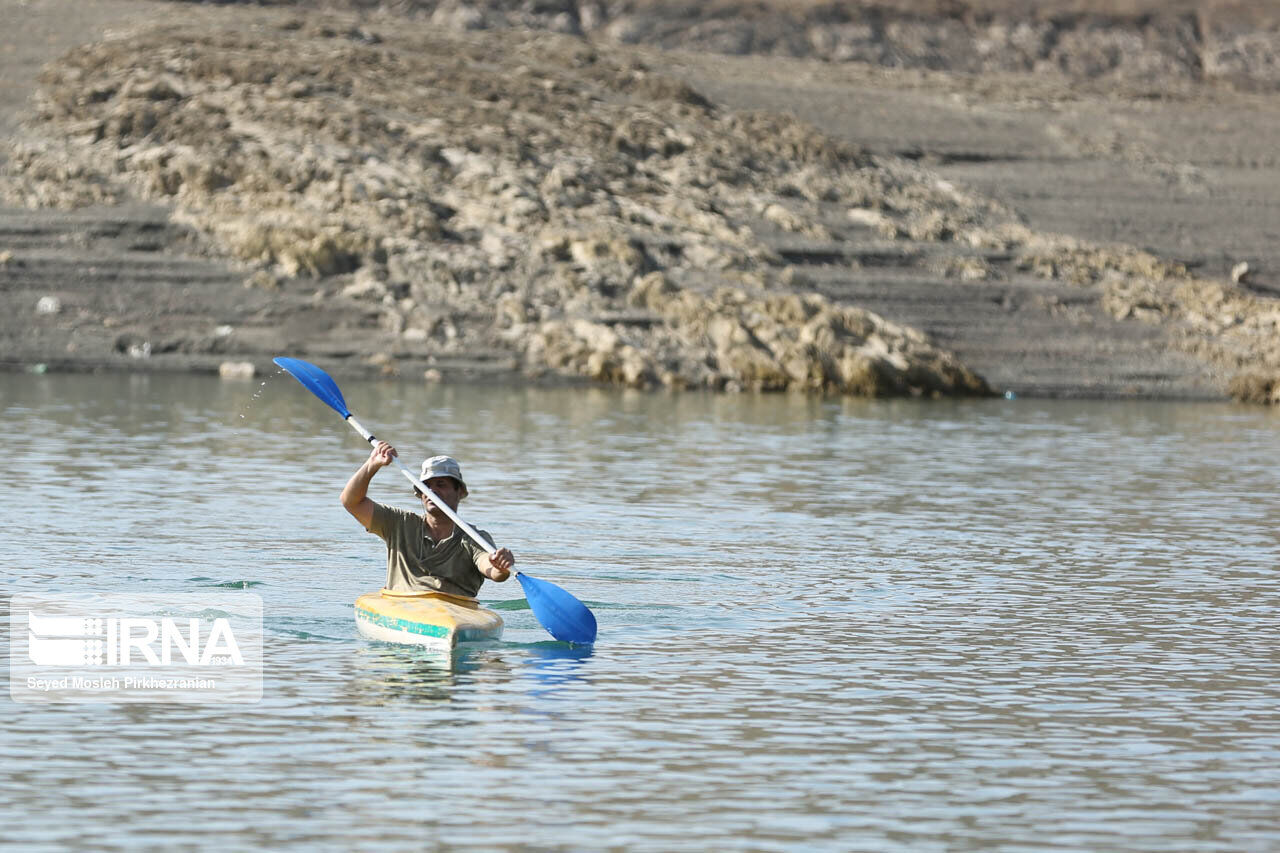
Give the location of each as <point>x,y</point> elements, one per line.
<point>772,343</point>
<point>582,212</point>
<point>1217,321</point>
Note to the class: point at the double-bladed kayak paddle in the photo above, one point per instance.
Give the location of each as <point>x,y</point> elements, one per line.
<point>565,617</point>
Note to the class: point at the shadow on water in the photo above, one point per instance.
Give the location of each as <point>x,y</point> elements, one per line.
<point>510,604</point>
<point>554,650</point>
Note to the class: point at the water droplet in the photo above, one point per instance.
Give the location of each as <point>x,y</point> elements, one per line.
<point>262,386</point>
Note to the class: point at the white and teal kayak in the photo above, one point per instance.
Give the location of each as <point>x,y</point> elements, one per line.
<point>433,619</point>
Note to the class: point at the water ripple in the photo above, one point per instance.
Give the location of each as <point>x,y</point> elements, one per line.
<point>824,625</point>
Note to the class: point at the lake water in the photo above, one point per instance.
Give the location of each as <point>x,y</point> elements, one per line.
<point>824,624</point>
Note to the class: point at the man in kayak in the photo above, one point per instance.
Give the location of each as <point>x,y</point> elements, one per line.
<point>425,552</point>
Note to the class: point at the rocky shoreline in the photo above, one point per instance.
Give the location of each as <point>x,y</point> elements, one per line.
<point>533,205</point>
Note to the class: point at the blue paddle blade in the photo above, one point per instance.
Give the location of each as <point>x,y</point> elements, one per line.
<point>317,382</point>
<point>565,617</point>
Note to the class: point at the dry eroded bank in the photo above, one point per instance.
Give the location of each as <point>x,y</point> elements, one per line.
<point>530,193</point>
<point>565,204</point>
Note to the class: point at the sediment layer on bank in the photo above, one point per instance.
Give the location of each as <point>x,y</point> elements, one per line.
<point>568,208</point>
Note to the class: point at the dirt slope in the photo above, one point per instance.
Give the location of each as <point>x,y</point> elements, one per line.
<point>1041,315</point>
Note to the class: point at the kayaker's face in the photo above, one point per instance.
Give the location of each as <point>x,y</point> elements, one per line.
<point>446,488</point>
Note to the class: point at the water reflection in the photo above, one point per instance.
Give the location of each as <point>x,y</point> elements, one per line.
<point>556,666</point>
<point>382,673</point>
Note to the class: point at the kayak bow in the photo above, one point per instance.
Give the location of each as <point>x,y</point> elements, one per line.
<point>434,619</point>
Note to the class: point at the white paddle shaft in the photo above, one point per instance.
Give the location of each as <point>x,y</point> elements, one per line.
<point>488,547</point>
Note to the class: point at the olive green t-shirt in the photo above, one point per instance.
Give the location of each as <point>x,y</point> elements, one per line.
<point>416,564</point>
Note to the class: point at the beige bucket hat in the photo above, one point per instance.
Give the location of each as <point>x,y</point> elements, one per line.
<point>443,466</point>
